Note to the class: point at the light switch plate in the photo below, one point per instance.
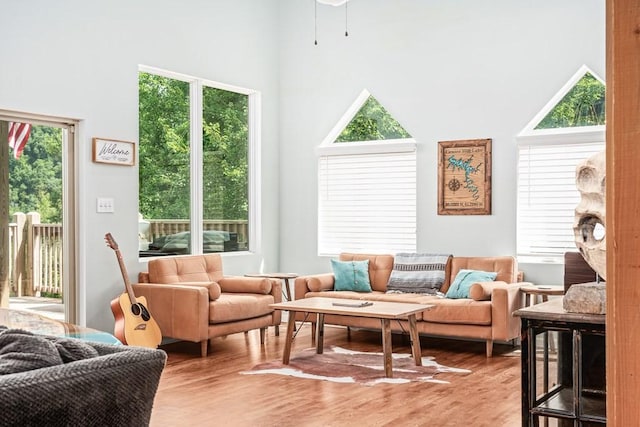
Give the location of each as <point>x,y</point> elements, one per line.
<point>104,205</point>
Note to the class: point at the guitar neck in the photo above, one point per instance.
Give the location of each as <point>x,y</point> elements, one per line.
<point>125,277</point>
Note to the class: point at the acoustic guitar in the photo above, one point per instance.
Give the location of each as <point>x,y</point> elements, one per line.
<point>134,324</point>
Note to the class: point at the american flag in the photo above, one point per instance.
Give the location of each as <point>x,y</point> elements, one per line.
<point>18,137</point>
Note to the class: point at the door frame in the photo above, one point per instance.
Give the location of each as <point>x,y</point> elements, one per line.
<point>69,202</point>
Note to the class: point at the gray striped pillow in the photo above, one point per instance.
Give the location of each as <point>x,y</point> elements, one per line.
<point>418,273</point>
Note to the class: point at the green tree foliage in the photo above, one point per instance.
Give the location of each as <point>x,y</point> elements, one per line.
<point>583,105</point>
<point>164,175</point>
<point>372,123</point>
<point>35,179</point>
<point>163,147</point>
<point>225,144</point>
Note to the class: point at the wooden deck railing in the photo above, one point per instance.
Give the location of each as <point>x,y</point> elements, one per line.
<point>35,254</point>
<point>35,249</point>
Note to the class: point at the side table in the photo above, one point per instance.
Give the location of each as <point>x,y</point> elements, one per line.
<point>572,401</point>
<point>286,290</point>
<point>532,294</point>
<point>539,291</point>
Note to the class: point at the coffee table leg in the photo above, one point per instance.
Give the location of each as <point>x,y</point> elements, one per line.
<point>320,334</point>
<point>291,324</point>
<point>386,347</point>
<point>415,339</point>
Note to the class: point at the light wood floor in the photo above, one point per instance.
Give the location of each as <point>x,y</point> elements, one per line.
<point>209,391</point>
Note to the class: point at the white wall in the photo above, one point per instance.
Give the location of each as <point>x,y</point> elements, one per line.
<point>446,70</point>
<point>80,59</point>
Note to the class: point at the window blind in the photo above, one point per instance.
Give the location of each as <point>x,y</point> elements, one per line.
<point>547,196</point>
<point>367,203</point>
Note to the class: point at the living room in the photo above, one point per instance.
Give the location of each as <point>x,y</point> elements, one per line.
<point>444,71</point>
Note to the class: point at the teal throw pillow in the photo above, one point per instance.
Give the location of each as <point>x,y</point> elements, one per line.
<point>464,279</point>
<point>351,275</point>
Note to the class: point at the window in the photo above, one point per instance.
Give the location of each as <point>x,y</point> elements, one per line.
<point>197,142</point>
<point>569,130</point>
<point>367,183</point>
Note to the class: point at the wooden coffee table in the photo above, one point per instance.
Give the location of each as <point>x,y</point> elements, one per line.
<point>385,311</point>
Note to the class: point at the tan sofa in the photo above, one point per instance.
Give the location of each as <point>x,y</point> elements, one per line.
<point>192,300</point>
<point>486,316</point>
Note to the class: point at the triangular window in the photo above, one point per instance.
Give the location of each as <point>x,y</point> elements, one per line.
<point>577,107</point>
<point>366,122</point>
<point>568,130</point>
<point>367,183</point>
<point>372,123</point>
<point>583,105</point>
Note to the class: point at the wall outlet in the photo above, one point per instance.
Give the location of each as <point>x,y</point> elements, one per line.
<point>104,205</point>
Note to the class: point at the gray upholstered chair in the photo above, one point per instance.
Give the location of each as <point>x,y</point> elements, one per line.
<point>114,387</point>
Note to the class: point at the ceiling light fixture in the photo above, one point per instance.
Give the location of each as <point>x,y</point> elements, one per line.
<point>330,3</point>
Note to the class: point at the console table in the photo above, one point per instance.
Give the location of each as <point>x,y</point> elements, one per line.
<point>569,401</point>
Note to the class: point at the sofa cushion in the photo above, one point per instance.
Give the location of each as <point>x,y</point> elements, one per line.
<point>464,279</point>
<point>505,266</point>
<point>418,273</point>
<point>463,311</point>
<point>196,268</point>
<point>236,306</point>
<point>351,275</point>
<point>380,267</point>
<point>21,351</point>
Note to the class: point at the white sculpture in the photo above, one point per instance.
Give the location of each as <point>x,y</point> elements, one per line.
<point>590,214</point>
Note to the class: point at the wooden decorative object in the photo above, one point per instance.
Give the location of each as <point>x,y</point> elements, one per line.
<point>464,177</point>
<point>114,152</point>
<point>591,212</point>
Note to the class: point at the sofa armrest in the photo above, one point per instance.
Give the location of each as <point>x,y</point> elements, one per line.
<point>181,311</point>
<point>313,283</point>
<point>505,299</point>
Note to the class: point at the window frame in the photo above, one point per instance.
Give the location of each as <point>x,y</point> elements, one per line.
<point>532,137</point>
<point>329,148</point>
<point>254,123</point>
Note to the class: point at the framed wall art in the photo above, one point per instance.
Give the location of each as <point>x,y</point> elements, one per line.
<point>464,177</point>
<point>114,152</point>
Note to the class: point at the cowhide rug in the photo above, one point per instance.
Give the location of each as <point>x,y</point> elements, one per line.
<point>337,364</point>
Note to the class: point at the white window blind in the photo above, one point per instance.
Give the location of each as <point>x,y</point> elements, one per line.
<point>367,203</point>
<point>547,196</point>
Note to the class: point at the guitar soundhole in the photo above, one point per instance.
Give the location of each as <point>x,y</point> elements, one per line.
<point>140,310</point>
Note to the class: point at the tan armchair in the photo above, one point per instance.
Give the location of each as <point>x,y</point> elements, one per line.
<point>191,299</point>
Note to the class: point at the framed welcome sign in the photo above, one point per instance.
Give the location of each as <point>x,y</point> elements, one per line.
<point>464,177</point>
<point>114,152</point>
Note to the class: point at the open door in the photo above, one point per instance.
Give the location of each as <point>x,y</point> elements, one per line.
<point>37,215</point>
